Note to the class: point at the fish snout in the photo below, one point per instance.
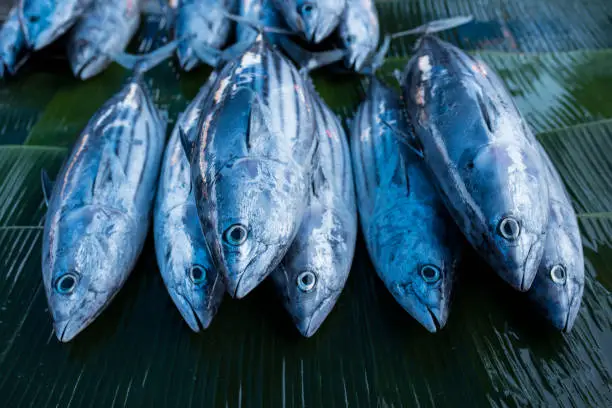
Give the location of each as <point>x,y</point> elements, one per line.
<point>186,56</point>
<point>241,280</point>
<point>309,325</point>
<point>67,330</point>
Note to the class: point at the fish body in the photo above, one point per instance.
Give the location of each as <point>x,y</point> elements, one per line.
<point>316,267</point>
<point>413,243</point>
<point>201,24</point>
<point>186,268</point>
<point>43,21</point>
<point>99,208</point>
<point>12,43</point>
<point>559,283</point>
<point>251,164</point>
<point>314,19</point>
<point>482,156</point>
<point>359,32</point>
<point>103,31</point>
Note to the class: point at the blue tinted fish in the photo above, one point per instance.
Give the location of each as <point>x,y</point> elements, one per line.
<point>103,30</point>
<point>202,24</point>
<point>359,32</point>
<point>12,44</point>
<point>482,156</point>
<point>99,208</point>
<point>186,267</point>
<point>412,241</point>
<point>44,21</point>
<point>315,19</point>
<point>251,164</point>
<point>316,267</point>
<point>559,283</point>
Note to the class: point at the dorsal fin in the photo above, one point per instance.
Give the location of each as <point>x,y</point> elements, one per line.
<point>47,186</point>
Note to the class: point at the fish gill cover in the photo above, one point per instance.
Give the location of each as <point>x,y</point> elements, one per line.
<point>555,57</point>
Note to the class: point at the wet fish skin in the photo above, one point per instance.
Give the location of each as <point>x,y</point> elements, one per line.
<point>558,296</point>
<point>43,21</point>
<point>186,267</point>
<point>315,19</point>
<point>251,164</point>
<point>325,243</point>
<point>204,24</point>
<point>103,30</point>
<point>12,43</point>
<point>99,208</point>
<point>412,240</point>
<point>482,156</point>
<point>359,32</point>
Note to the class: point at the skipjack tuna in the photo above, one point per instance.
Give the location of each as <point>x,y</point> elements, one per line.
<point>482,156</point>
<point>99,208</point>
<point>44,21</point>
<point>316,267</point>
<point>104,29</point>
<point>251,164</point>
<point>13,48</point>
<point>186,268</point>
<point>413,242</point>
<point>558,286</point>
<point>359,32</point>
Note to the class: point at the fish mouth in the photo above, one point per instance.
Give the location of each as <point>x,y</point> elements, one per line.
<point>196,321</point>
<point>529,268</point>
<point>310,326</point>
<point>66,331</point>
<point>435,325</point>
<point>83,71</point>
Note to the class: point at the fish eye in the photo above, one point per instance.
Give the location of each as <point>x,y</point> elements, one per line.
<point>306,9</point>
<point>34,18</point>
<point>558,274</point>
<point>430,273</point>
<point>235,235</point>
<point>509,228</point>
<point>306,281</point>
<point>350,39</point>
<point>66,284</point>
<point>197,274</point>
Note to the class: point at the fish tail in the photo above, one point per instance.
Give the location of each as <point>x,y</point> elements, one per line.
<point>140,64</point>
<point>435,26</point>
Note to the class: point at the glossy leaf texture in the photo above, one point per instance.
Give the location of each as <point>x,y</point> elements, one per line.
<point>495,350</point>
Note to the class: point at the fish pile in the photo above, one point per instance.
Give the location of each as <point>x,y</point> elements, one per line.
<point>259,179</point>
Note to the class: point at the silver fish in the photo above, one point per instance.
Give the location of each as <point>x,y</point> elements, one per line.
<point>186,268</point>
<point>315,19</point>
<point>482,155</point>
<point>103,30</point>
<point>359,32</point>
<point>43,21</point>
<point>316,267</point>
<point>413,243</point>
<point>251,164</point>
<point>558,286</point>
<point>99,208</point>
<point>12,44</point>
<point>202,24</point>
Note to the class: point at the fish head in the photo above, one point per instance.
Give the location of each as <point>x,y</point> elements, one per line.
<point>314,270</point>
<point>506,183</point>
<point>315,19</point>
<point>43,21</point>
<point>359,34</point>
<point>86,58</point>
<point>192,281</point>
<point>249,215</point>
<point>199,30</point>
<point>559,283</point>
<point>416,260</point>
<point>89,257</point>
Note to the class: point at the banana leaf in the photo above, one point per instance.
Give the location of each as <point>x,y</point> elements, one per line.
<point>556,59</point>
